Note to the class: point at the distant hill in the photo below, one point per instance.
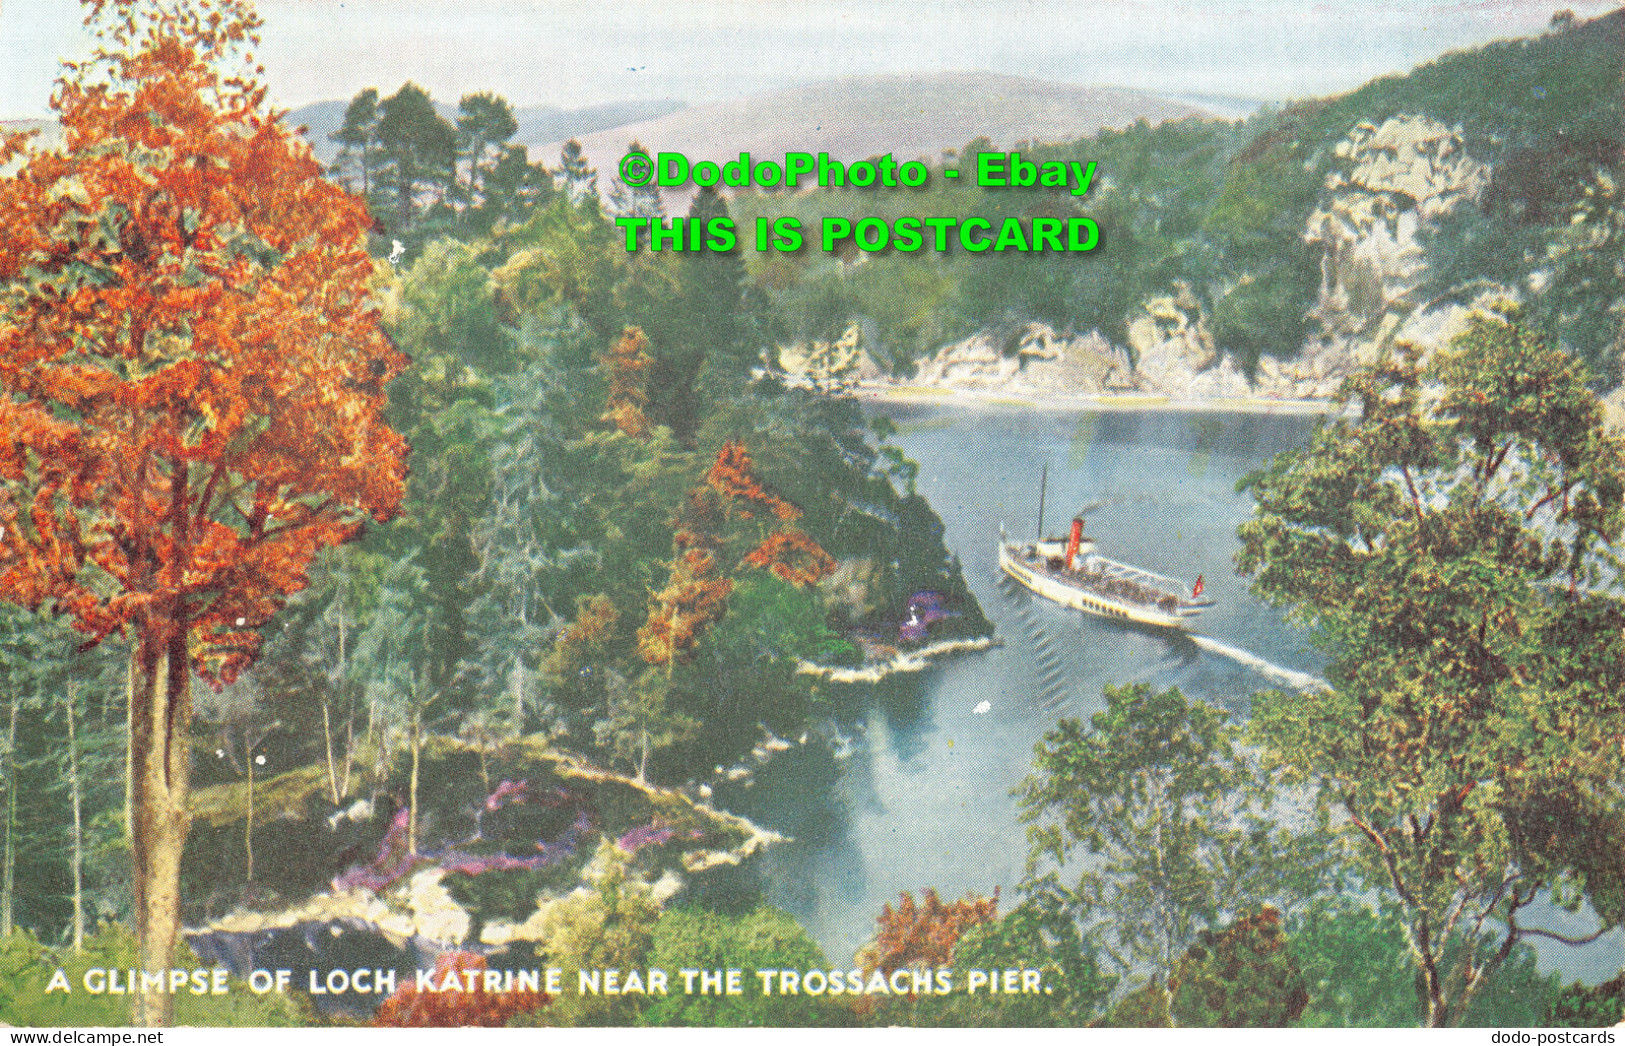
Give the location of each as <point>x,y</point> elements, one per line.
<point>1227,106</point>
<point>537,123</point>
<point>909,116</point>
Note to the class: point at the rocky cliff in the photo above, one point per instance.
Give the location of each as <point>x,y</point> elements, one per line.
<point>1390,184</point>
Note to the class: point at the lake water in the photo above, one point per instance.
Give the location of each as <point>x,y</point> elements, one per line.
<point>923,799</point>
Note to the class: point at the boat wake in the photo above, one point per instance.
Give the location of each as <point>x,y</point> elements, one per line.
<point>1268,669</point>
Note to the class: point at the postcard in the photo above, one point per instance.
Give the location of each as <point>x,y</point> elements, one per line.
<point>926,515</point>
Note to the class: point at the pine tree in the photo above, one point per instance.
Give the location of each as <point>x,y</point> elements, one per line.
<point>513,186</point>
<point>419,152</point>
<point>576,177</point>
<point>485,121</point>
<point>358,143</point>
<point>711,287</point>
<point>634,201</point>
<point>703,321</point>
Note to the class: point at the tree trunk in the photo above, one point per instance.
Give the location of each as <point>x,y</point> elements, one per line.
<point>78,825</point>
<point>8,881</point>
<point>161,715</point>
<point>132,683</point>
<point>412,817</point>
<point>349,752</point>
<point>341,790</point>
<point>1437,1011</point>
<point>671,641</point>
<point>519,672</point>
<point>248,825</point>
<point>327,738</point>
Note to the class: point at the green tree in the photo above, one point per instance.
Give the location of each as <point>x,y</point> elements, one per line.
<point>447,317</point>
<point>1356,966</point>
<point>1167,820</point>
<point>356,164</point>
<point>577,177</point>
<point>1449,549</point>
<point>608,926</point>
<point>409,685</point>
<point>711,322</point>
<point>418,152</point>
<point>1243,976</point>
<point>761,939</point>
<point>640,721</point>
<point>512,188</point>
<point>517,543</point>
<point>1578,1006</point>
<point>60,765</point>
<point>562,255</point>
<point>1041,934</point>
<point>1584,301</point>
<point>633,201</point>
<point>485,121</point>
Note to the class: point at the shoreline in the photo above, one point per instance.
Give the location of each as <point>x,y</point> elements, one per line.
<point>888,393</point>
<point>911,661</point>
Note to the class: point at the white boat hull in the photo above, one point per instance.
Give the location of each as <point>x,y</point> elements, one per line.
<point>1055,590</point>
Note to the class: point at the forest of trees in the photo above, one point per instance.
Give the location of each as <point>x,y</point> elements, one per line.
<point>609,536</point>
<point>283,523</point>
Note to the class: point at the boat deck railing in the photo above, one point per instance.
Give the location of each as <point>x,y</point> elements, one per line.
<point>1121,587</point>
<point>1118,580</point>
<point>1116,570</point>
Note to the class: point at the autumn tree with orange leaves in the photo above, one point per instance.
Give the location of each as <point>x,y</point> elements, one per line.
<point>733,477</point>
<point>729,512</point>
<point>627,364</point>
<point>922,934</point>
<point>793,556</point>
<point>191,384</point>
<point>696,594</point>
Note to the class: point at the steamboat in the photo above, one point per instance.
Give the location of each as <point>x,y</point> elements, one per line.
<point>1072,572</point>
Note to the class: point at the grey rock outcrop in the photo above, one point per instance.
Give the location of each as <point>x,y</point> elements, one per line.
<point>1044,363</point>
<point>1393,184</point>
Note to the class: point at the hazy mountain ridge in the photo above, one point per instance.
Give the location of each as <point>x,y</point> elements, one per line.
<point>537,123</point>
<point>907,115</point>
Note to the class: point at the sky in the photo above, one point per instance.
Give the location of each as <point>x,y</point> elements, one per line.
<point>570,53</point>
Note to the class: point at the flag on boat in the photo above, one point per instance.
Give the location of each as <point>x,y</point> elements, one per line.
<point>1196,589</point>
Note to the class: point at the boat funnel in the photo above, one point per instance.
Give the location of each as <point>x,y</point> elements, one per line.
<point>1073,541</point>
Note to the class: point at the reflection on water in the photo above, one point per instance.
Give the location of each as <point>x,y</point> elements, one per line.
<point>924,798</point>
